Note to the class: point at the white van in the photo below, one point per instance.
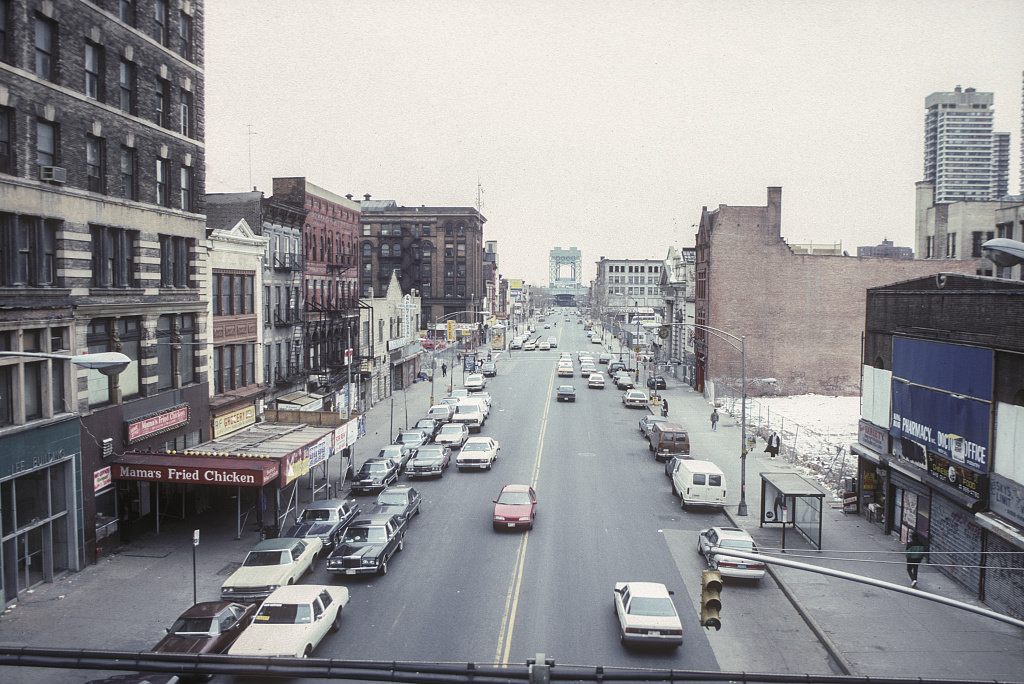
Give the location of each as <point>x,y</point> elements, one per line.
<point>699,483</point>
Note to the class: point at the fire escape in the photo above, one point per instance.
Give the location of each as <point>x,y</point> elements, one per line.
<point>289,314</point>
<point>330,327</point>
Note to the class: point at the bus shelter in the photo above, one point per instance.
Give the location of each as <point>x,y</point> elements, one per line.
<point>793,502</point>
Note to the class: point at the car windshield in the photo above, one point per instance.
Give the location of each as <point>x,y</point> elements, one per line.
<point>514,498</point>
<point>316,515</point>
<point>259,558</point>
<point>428,452</point>
<point>653,607</point>
<point>392,499</point>
<point>373,535</point>
<point>373,468</point>
<point>475,446</point>
<point>195,626</point>
<point>285,614</point>
<point>450,431</point>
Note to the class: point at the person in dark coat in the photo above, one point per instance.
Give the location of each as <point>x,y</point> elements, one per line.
<point>714,419</point>
<point>773,444</point>
<point>664,407</point>
<point>444,370</point>
<point>915,554</point>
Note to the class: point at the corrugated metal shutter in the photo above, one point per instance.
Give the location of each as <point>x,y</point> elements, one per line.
<point>955,542</point>
<point>1004,588</point>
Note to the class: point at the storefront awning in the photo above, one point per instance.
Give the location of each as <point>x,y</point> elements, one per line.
<point>178,469</point>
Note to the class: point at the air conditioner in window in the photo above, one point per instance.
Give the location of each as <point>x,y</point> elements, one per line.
<point>54,174</point>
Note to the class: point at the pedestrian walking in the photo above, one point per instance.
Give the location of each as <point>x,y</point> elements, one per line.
<point>915,554</point>
<point>444,370</point>
<point>773,445</point>
<point>664,407</point>
<point>714,418</point>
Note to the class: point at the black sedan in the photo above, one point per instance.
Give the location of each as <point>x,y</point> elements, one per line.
<point>325,519</point>
<point>208,627</point>
<point>656,382</point>
<point>488,369</point>
<point>429,426</point>
<point>401,500</point>
<point>430,461</point>
<point>566,393</point>
<point>375,475</point>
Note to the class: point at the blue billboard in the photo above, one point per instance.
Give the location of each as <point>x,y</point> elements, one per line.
<point>951,426</point>
<point>946,367</point>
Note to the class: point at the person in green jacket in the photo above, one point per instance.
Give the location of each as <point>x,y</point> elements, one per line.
<point>915,554</point>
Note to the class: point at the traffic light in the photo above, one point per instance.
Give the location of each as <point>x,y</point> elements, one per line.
<point>710,599</point>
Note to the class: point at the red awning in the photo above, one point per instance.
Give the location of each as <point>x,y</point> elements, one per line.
<point>179,469</point>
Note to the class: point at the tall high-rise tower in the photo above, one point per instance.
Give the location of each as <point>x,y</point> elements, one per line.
<point>963,157</point>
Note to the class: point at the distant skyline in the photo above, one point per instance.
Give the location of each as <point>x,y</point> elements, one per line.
<point>604,125</point>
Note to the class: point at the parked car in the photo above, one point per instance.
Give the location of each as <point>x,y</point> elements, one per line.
<point>474,382</point>
<point>616,366</point>
<point>730,566</point>
<point>293,621</point>
<point>565,393</point>
<point>634,399</point>
<point>604,359</point>
<point>623,380</point>
<point>272,563</point>
<point>374,475</point>
<point>668,439</point>
<point>700,483</point>
<point>410,441</point>
<point>441,412</point>
<point>656,382</point>
<point>429,425</point>
<point>648,422</point>
<point>516,506</point>
<point>207,627</point>
<point>488,369</point>
<point>647,614</point>
<point>470,415</point>
<point>399,453</point>
<point>596,339</point>
<point>595,381</point>
<point>478,452</point>
<point>454,435</point>
<point>400,500</point>
<point>430,461</point>
<point>325,520</point>
<point>368,545</point>
<point>482,399</point>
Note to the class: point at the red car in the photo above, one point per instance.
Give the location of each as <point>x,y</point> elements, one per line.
<point>515,507</point>
<point>209,627</point>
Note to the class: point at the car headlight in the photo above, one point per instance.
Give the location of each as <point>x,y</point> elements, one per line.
<point>524,518</point>
<point>227,590</point>
<point>499,518</point>
<point>369,561</point>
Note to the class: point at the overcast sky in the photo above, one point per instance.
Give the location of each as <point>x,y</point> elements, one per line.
<point>604,125</point>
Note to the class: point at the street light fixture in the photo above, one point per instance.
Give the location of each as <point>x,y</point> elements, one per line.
<point>731,340</point>
<point>108,363</point>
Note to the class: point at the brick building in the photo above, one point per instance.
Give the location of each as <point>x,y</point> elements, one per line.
<point>799,313</point>
<point>102,248</point>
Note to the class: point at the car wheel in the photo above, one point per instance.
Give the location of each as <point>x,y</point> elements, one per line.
<point>336,625</point>
<point>383,570</point>
<point>401,542</point>
<point>682,503</point>
<point>675,490</point>
<point>308,651</point>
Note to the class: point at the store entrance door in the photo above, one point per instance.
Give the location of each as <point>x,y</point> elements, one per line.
<point>27,560</point>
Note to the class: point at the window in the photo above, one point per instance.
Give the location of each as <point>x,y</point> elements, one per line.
<point>113,256</point>
<point>46,143</point>
<point>185,36</point>
<point>175,350</point>
<point>234,367</point>
<point>28,250</point>
<point>93,71</point>
<point>126,87</point>
<point>94,166</point>
<point>951,245</point>
<point>396,250</point>
<point>929,251</point>
<point>233,294</point>
<point>174,256</point>
<point>163,102</point>
<point>3,30</point>
<point>385,251</point>
<point>186,113</point>
<point>100,338</point>
<point>160,21</point>
<point>6,120</point>
<point>460,250</point>
<point>45,45</point>
<point>162,192</point>
<point>126,11</point>
<point>186,188</point>
<point>129,188</point>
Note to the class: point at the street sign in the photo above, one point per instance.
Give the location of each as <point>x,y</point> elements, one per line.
<point>451,331</point>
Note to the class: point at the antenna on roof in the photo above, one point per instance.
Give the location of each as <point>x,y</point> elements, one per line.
<point>251,132</point>
<point>479,195</point>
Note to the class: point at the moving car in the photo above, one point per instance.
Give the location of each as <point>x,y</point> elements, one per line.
<point>604,359</point>
<point>529,345</point>
<point>474,382</point>
<point>400,500</point>
<point>553,342</point>
<point>566,370</point>
<point>634,399</point>
<point>565,393</point>
<point>375,475</point>
<point>730,566</point>
<point>478,452</point>
<point>543,345</point>
<point>656,382</point>
<point>293,621</point>
<point>368,545</point>
<point>429,461</point>
<point>516,506</point>
<point>488,369</point>
<point>596,339</point>
<point>595,381</point>
<point>272,563</point>
<point>647,614</point>
<point>207,627</point>
<point>453,435</point>
<point>325,520</point>
<point>586,368</point>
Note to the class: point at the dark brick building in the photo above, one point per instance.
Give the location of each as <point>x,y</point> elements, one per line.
<point>101,249</point>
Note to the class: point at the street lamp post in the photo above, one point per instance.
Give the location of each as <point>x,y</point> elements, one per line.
<point>731,340</point>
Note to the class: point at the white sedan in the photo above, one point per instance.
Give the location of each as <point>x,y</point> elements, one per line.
<point>647,614</point>
<point>271,564</point>
<point>293,621</point>
<point>730,566</point>
<point>475,382</point>
<point>477,452</point>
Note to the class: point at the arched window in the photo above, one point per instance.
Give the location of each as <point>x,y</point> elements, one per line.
<point>367,251</point>
<point>448,229</point>
<point>461,230</point>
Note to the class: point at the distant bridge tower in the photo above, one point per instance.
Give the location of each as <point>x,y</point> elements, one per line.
<point>565,272</point>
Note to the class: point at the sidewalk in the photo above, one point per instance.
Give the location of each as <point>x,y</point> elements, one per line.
<point>870,631</point>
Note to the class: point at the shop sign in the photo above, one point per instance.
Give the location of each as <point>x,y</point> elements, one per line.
<point>226,423</point>
<point>952,426</point>
<point>871,436</point>
<point>189,474</point>
<point>396,343</point>
<point>319,452</point>
<point>157,423</point>
<point>101,479</point>
<point>966,481</point>
<point>1006,498</point>
<point>295,465</point>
